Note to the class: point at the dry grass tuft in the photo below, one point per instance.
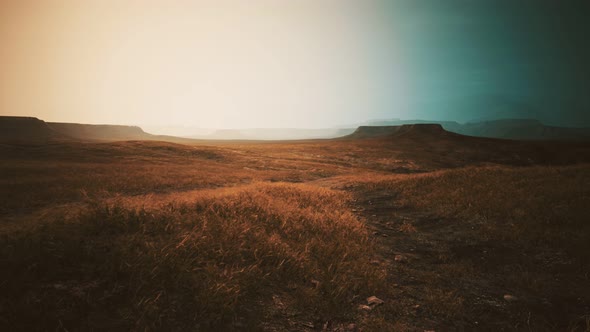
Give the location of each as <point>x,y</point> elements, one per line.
<point>534,206</point>
<point>209,263</point>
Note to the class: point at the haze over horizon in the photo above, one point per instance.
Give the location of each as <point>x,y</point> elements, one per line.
<point>294,64</point>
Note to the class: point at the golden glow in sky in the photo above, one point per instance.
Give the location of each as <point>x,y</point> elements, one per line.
<point>215,64</point>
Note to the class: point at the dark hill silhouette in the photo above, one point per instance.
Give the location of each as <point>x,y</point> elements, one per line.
<point>516,129</point>
<point>89,132</point>
<point>33,130</point>
<point>372,131</point>
<point>26,129</point>
<point>30,129</point>
<point>523,129</point>
<point>431,144</point>
<point>100,132</point>
<point>406,130</point>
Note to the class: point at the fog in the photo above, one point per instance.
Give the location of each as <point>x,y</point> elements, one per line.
<point>292,64</point>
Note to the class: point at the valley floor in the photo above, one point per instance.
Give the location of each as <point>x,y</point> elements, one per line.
<point>450,234</point>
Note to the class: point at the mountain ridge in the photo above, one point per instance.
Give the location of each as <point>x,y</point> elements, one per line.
<point>31,129</point>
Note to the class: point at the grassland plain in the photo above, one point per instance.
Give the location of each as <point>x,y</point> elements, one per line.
<point>294,236</point>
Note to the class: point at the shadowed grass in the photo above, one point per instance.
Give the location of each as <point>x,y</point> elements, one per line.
<point>211,263</point>
<point>500,230</point>
<point>534,205</point>
<point>174,237</point>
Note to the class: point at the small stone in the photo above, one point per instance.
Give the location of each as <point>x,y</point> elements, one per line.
<point>510,298</point>
<point>416,306</point>
<point>400,259</point>
<point>374,301</point>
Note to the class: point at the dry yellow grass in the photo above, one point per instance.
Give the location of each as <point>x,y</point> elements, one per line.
<point>160,236</point>
<point>493,231</point>
<point>542,205</point>
<point>209,263</point>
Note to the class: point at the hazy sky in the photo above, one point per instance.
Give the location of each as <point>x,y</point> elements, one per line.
<point>299,63</point>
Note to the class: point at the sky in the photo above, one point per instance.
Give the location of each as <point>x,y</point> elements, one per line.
<point>294,63</point>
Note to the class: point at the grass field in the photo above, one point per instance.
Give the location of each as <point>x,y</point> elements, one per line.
<point>295,236</point>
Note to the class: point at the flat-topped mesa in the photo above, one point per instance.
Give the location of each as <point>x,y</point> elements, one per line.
<point>100,132</point>
<point>33,130</point>
<point>419,129</point>
<point>422,128</point>
<point>25,129</point>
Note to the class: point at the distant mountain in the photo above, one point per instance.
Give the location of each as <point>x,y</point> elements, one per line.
<point>479,108</point>
<point>26,129</point>
<point>178,130</point>
<point>418,129</point>
<point>99,132</point>
<point>448,125</point>
<point>276,134</point>
<point>523,129</point>
<point>29,129</point>
<point>111,133</point>
<point>432,144</point>
<point>33,130</point>
<point>517,129</point>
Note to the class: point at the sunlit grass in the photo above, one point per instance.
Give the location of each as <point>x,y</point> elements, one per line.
<point>208,263</point>
<point>160,236</point>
